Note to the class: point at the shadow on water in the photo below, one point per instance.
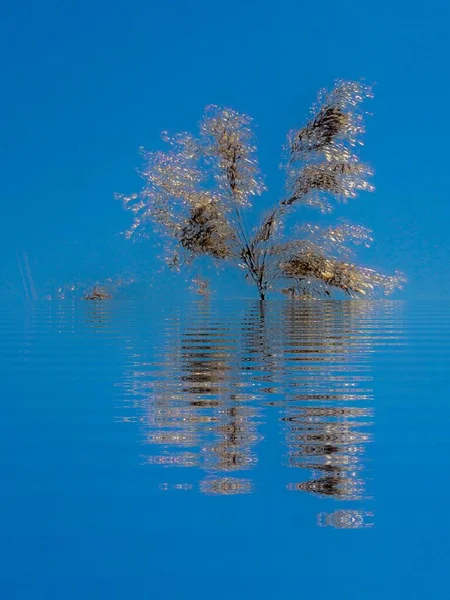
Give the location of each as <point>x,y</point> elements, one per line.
<point>214,387</point>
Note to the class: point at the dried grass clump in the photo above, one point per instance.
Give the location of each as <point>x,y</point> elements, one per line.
<point>97,294</point>
<point>347,277</point>
<point>205,232</point>
<point>197,191</point>
<point>321,131</point>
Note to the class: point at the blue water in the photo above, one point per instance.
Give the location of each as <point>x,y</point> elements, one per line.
<point>224,450</point>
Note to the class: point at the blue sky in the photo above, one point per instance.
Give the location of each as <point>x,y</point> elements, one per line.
<point>86,84</point>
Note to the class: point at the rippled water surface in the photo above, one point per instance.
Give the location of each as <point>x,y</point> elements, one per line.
<point>224,450</point>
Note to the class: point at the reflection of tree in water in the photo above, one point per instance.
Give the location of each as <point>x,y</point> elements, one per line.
<point>326,429</point>
<point>205,393</point>
<point>199,414</point>
<point>97,315</point>
<point>345,519</point>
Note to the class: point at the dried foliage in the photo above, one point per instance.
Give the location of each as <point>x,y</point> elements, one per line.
<point>310,268</point>
<point>196,193</point>
<point>97,294</point>
<point>201,286</point>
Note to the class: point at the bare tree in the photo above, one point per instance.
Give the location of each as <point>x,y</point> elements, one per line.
<point>198,191</point>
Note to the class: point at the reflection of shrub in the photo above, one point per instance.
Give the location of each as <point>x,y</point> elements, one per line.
<point>226,486</point>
